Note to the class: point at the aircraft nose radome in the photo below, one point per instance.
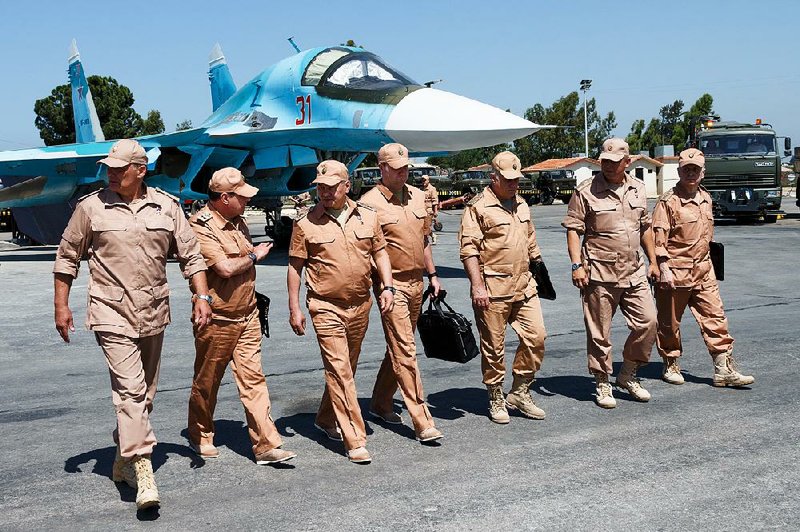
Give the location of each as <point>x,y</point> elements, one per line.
<point>432,120</point>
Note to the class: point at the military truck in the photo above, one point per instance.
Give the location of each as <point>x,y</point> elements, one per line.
<point>743,167</point>
<point>367,177</point>
<point>549,185</point>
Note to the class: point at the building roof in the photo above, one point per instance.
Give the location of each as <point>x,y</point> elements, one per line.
<point>645,158</point>
<point>557,164</point>
<point>482,167</point>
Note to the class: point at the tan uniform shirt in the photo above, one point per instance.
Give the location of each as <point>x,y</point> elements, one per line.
<point>504,242</point>
<point>222,239</point>
<point>611,220</point>
<point>683,227</point>
<point>338,257</point>
<point>431,198</point>
<point>128,245</point>
<point>404,224</point>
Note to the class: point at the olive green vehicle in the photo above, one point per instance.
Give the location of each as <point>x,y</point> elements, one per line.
<point>461,183</point>
<point>743,168</point>
<point>548,185</point>
<point>367,177</point>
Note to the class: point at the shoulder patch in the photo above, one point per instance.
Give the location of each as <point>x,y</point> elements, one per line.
<point>667,195</point>
<point>167,194</point>
<point>475,199</point>
<point>204,217</point>
<point>90,194</point>
<point>584,184</point>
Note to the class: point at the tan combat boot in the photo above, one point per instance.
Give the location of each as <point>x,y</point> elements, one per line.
<point>671,372</point>
<point>627,380</point>
<point>147,492</point>
<point>122,471</point>
<point>727,374</point>
<point>605,395</point>
<point>520,398</point>
<point>497,404</point>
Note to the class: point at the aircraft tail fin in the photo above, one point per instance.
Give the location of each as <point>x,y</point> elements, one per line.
<point>87,125</point>
<point>222,85</point>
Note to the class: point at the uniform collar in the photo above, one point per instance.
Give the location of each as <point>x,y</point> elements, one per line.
<point>318,212</point>
<point>492,199</point>
<point>602,184</point>
<point>220,220</point>
<point>389,195</point>
<point>698,197</point>
<point>111,198</point>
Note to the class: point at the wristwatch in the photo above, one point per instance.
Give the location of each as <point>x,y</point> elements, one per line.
<point>576,265</point>
<point>431,275</point>
<point>391,289</point>
<point>205,297</point>
<point>252,256</point>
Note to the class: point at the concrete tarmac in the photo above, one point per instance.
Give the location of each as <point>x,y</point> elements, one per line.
<point>695,457</point>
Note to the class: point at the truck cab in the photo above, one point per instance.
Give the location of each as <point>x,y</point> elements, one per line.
<point>743,166</point>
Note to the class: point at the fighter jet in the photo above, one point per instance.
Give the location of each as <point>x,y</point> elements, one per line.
<point>334,102</point>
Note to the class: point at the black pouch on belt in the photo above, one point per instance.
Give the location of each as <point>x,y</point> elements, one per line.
<point>262,302</point>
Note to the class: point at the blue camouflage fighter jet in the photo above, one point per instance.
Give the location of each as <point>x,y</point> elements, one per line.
<point>336,102</point>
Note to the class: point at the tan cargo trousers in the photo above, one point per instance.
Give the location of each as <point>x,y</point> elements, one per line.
<point>133,364</point>
<point>706,306</point>
<point>237,343</point>
<point>600,303</point>
<point>525,317</point>
<point>399,366</point>
<point>340,331</point>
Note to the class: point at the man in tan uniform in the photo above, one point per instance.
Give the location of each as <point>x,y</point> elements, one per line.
<point>498,242</point>
<point>128,229</point>
<point>610,211</point>
<point>335,243</point>
<point>431,204</point>
<point>406,225</point>
<point>683,227</point>
<point>234,335</point>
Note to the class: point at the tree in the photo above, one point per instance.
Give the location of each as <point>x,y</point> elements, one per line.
<point>114,104</point>
<point>468,158</point>
<point>183,126</point>
<point>567,140</point>
<point>673,126</point>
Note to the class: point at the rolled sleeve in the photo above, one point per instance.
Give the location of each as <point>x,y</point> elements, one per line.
<point>210,246</point>
<point>576,214</point>
<point>378,240</point>
<point>297,247</point>
<point>469,235</point>
<point>75,241</point>
<point>187,248</point>
<point>661,227</point>
<point>645,221</point>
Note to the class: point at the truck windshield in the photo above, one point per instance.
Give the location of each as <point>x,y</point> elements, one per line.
<point>737,144</point>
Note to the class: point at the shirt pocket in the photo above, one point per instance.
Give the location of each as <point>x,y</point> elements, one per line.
<point>606,216</point>
<point>496,229</point>
<point>500,280</point>
<point>603,265</point>
<point>159,223</point>
<point>106,306</point>
<point>231,249</point>
<point>363,241</point>
<point>682,269</point>
<point>317,243</point>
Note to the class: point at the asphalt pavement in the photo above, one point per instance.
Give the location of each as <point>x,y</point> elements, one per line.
<point>695,457</point>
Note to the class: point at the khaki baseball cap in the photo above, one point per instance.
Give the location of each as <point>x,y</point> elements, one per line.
<point>615,149</point>
<point>123,153</point>
<point>232,181</point>
<point>507,165</point>
<point>331,173</point>
<point>395,155</point>
<point>692,156</point>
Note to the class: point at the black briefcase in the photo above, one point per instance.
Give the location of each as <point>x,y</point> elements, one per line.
<point>542,277</point>
<point>717,250</point>
<point>446,334</point>
<point>262,302</point>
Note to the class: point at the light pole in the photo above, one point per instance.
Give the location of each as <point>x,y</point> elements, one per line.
<point>586,84</point>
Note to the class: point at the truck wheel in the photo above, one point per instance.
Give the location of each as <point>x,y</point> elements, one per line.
<point>770,218</point>
<point>547,198</point>
<point>533,200</point>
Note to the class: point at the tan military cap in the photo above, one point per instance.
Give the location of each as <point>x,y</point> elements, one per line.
<point>395,155</point>
<point>692,156</point>
<point>232,181</point>
<point>123,153</point>
<point>331,173</point>
<point>507,165</point>
<point>615,149</point>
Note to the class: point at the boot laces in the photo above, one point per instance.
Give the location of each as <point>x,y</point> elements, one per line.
<point>733,368</point>
<point>604,389</point>
<point>673,366</point>
<point>144,474</point>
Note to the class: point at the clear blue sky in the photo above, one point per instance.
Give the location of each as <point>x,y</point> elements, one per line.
<point>639,54</point>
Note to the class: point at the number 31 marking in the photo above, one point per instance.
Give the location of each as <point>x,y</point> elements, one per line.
<point>303,103</point>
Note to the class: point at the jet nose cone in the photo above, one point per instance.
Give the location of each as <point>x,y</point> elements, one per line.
<point>429,120</point>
